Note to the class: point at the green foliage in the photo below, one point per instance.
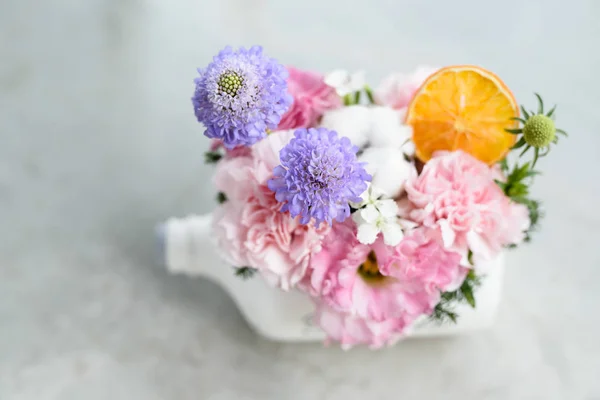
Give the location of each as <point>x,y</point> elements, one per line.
<point>212,157</point>
<point>444,310</point>
<point>355,98</point>
<point>535,214</point>
<point>245,272</point>
<point>221,197</point>
<point>516,188</point>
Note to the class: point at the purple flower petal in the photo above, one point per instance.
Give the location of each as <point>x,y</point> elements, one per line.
<point>240,95</point>
<point>318,176</point>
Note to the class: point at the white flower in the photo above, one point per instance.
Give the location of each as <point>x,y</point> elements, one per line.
<point>389,169</point>
<point>377,215</point>
<point>345,83</point>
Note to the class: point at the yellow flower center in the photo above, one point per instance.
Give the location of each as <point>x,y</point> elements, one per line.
<point>369,270</point>
<point>230,82</point>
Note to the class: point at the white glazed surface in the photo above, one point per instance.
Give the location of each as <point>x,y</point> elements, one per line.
<point>98,144</point>
<point>285,316</point>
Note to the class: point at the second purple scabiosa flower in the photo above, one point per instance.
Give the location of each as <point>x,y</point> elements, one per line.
<point>319,175</point>
<point>240,95</point>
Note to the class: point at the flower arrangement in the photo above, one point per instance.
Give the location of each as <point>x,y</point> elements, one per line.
<point>380,205</point>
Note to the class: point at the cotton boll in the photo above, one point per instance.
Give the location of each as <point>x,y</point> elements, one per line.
<point>388,167</point>
<point>353,122</point>
<point>387,129</point>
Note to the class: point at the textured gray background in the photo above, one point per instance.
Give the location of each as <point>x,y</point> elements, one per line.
<point>98,143</point>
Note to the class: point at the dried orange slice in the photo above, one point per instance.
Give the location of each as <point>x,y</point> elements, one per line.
<point>463,107</point>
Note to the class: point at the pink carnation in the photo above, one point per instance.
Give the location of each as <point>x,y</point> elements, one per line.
<point>312,97</point>
<point>457,196</point>
<point>250,229</point>
<point>349,330</point>
<point>397,90</point>
<point>421,257</point>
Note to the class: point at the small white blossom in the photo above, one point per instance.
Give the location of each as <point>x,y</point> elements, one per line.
<point>376,215</point>
<point>344,82</point>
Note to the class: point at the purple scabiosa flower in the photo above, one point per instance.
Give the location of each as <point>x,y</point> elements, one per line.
<point>240,95</point>
<point>318,176</point>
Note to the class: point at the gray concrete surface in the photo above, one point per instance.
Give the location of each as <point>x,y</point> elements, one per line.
<point>98,143</point>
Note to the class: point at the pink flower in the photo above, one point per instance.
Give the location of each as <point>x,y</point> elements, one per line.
<point>250,229</point>
<point>346,275</point>
<point>397,90</point>
<point>312,97</point>
<point>234,177</point>
<point>421,257</point>
<point>372,294</point>
<point>216,144</point>
<point>349,330</point>
<point>457,196</point>
<point>333,248</point>
<point>230,234</point>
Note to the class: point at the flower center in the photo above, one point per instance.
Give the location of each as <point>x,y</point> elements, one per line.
<point>230,82</point>
<point>369,270</point>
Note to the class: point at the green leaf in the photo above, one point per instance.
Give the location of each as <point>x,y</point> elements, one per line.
<point>532,173</point>
<point>501,184</point>
<point>525,113</point>
<point>357,98</point>
<point>561,132</point>
<point>221,198</point>
<point>517,119</point>
<point>514,131</point>
<point>551,112</point>
<point>520,143</point>
<point>536,154</point>
<point>519,173</point>
<point>504,164</point>
<point>520,199</point>
<point>540,104</point>
<point>211,157</point>
<point>369,94</point>
<point>546,151</point>
<point>518,189</point>
<point>525,150</point>
<point>245,272</point>
<point>470,258</point>
<point>442,313</point>
<point>467,292</point>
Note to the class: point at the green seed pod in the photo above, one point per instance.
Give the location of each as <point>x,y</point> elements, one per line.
<point>539,131</point>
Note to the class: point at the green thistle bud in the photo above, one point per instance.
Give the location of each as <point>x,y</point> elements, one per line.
<point>539,131</point>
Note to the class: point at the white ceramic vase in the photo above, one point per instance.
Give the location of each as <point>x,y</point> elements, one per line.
<point>286,316</point>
